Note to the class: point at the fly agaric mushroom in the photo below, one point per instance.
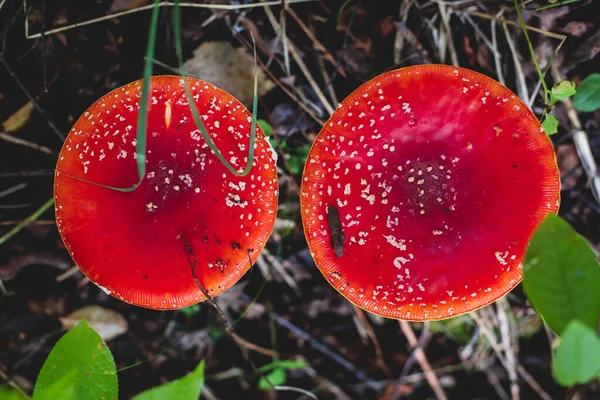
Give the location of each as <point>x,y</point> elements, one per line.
<point>137,245</point>
<point>437,177</point>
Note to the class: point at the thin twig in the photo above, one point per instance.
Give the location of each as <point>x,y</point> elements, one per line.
<point>422,360</point>
<point>521,84</point>
<point>373,338</point>
<point>22,142</point>
<point>581,141</point>
<point>227,7</point>
<point>296,56</point>
<point>242,344</point>
<point>503,308</point>
<point>32,99</point>
<point>446,25</point>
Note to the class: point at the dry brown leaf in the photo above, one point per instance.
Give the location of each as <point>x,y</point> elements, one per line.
<point>107,323</point>
<point>122,5</point>
<point>228,68</point>
<point>18,119</point>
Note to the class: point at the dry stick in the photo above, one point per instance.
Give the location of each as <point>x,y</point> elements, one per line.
<point>301,64</point>
<point>323,349</point>
<point>446,24</point>
<point>33,101</point>
<point>149,7</point>
<point>521,84</point>
<point>373,337</point>
<point>284,40</point>
<point>21,142</point>
<point>13,189</point>
<point>422,360</point>
<point>13,385</point>
<point>316,42</point>
<point>281,85</point>
<point>327,78</point>
<point>36,222</point>
<point>513,23</point>
<point>510,349</point>
<point>242,344</point>
<point>582,143</point>
<point>497,55</point>
<point>496,347</point>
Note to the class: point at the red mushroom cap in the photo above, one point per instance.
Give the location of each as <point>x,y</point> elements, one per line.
<point>133,245</point>
<point>439,176</point>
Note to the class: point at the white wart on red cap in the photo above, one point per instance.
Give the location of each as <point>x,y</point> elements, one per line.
<point>439,176</point>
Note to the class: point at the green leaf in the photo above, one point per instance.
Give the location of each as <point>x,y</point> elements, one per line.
<point>8,393</point>
<point>276,377</point>
<point>187,388</point>
<point>295,165</point>
<point>561,275</point>
<point>577,358</point>
<point>80,361</point>
<point>63,388</point>
<point>587,98</point>
<point>191,310</point>
<point>292,364</point>
<point>561,91</point>
<point>550,124</point>
<point>265,127</point>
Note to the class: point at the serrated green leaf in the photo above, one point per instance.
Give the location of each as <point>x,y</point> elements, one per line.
<point>587,98</point>
<point>561,91</point>
<point>276,377</point>
<point>84,354</point>
<point>561,275</point>
<point>187,388</point>
<point>577,358</point>
<point>550,124</point>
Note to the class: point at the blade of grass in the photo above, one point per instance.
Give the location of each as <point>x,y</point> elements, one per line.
<point>196,115</point>
<point>37,213</point>
<point>140,147</point>
<point>557,4</point>
<point>532,52</point>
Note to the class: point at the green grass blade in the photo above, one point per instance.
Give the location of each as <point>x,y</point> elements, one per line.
<point>196,115</point>
<point>140,147</point>
<point>4,238</point>
<point>532,52</point>
<point>557,4</point>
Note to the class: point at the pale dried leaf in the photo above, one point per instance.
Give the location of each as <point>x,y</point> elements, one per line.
<point>229,69</point>
<point>107,323</point>
<point>18,119</point>
<point>122,5</point>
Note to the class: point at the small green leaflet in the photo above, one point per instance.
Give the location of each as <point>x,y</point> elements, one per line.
<point>187,388</point>
<point>561,91</point>
<point>276,377</point>
<point>587,98</point>
<point>550,124</point>
<point>80,364</point>
<point>577,358</point>
<point>561,275</point>
<point>265,127</point>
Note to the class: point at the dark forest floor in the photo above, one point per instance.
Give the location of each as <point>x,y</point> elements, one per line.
<point>297,314</point>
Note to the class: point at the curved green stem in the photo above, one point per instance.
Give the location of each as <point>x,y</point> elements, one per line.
<point>196,115</point>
